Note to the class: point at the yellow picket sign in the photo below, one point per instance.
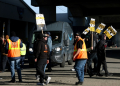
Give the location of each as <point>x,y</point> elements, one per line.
<point>92,22</point>
<point>107,34</point>
<point>98,31</point>
<point>100,28</point>
<point>111,29</point>
<point>92,29</point>
<point>39,17</point>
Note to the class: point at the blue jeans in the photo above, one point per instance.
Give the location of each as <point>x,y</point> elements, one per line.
<point>22,61</point>
<point>17,65</point>
<point>79,68</point>
<point>45,67</point>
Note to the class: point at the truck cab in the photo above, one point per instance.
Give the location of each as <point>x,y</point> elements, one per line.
<point>62,42</point>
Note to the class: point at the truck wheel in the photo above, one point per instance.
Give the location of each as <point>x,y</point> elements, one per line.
<point>70,61</point>
<point>63,63</point>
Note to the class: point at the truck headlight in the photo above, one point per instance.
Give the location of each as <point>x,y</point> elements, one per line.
<point>58,48</point>
<point>30,50</point>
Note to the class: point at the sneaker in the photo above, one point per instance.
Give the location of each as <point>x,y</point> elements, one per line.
<point>108,74</point>
<point>37,77</point>
<point>40,83</point>
<point>99,74</point>
<point>72,69</point>
<point>78,83</point>
<point>12,81</point>
<point>48,80</point>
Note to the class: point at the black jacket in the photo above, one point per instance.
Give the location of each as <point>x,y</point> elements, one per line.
<point>41,49</point>
<point>101,48</point>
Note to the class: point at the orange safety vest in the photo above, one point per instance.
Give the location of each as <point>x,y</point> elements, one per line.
<point>13,48</point>
<point>83,52</point>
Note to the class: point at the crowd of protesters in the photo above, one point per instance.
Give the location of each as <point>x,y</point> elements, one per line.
<point>13,51</point>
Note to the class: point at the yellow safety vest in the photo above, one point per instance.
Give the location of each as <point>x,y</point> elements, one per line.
<point>23,50</point>
<point>13,48</point>
<point>83,52</point>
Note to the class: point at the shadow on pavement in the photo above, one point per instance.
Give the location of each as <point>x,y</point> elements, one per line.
<point>113,54</point>
<point>60,83</point>
<point>107,78</point>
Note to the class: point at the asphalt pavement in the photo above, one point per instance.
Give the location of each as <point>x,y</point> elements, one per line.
<point>66,77</point>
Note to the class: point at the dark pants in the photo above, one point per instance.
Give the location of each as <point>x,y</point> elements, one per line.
<point>40,69</point>
<point>49,64</point>
<point>22,61</point>
<point>4,60</point>
<point>104,65</point>
<point>92,57</point>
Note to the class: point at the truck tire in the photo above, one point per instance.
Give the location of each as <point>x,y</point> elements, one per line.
<point>63,63</point>
<point>70,61</point>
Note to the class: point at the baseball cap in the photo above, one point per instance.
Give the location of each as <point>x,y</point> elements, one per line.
<point>77,34</point>
<point>48,33</point>
<point>45,35</point>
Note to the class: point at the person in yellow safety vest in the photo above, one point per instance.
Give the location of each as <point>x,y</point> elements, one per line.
<point>23,53</point>
<point>80,57</point>
<point>12,47</point>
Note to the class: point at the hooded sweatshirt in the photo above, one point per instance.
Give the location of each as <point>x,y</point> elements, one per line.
<point>101,48</point>
<point>13,39</point>
<point>41,48</point>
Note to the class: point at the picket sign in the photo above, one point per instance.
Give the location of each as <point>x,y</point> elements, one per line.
<point>110,32</point>
<point>40,21</point>
<point>100,28</point>
<point>86,30</point>
<point>92,25</point>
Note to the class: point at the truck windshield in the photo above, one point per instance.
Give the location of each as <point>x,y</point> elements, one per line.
<point>55,35</point>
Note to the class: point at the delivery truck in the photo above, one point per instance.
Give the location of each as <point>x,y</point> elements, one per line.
<point>62,43</point>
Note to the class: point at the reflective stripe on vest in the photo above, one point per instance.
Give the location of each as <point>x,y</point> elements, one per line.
<point>83,51</point>
<point>13,48</point>
<point>23,50</point>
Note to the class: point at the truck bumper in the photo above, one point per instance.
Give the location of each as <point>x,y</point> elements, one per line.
<point>57,58</point>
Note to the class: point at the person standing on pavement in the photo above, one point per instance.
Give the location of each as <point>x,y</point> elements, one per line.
<point>4,57</point>
<point>92,57</point>
<point>42,57</point>
<point>49,42</point>
<point>34,53</point>
<point>23,53</point>
<point>80,58</point>
<point>101,53</point>
<point>13,46</point>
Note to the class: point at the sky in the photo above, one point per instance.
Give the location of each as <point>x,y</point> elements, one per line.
<point>59,9</point>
